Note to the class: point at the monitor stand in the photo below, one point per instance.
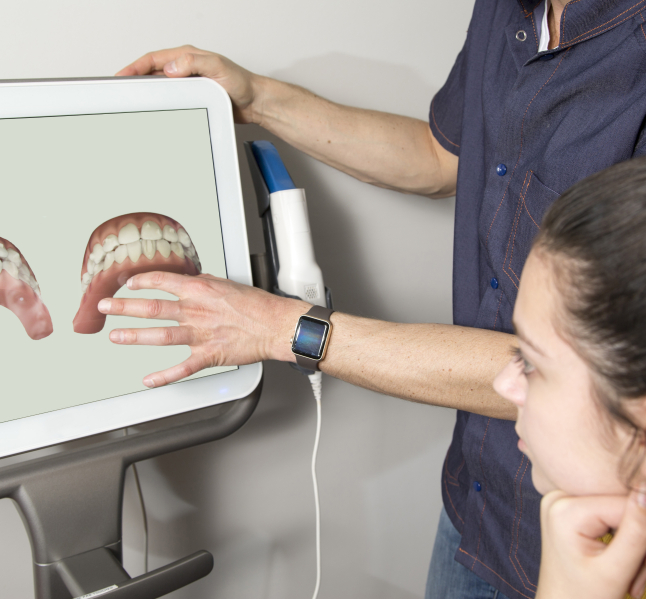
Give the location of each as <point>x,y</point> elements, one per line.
<point>71,504</point>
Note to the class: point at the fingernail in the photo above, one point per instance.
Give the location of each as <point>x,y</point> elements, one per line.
<point>149,383</point>
<point>116,336</point>
<point>129,283</point>
<point>170,67</point>
<point>104,305</point>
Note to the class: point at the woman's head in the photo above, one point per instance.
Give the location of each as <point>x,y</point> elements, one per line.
<point>580,382</point>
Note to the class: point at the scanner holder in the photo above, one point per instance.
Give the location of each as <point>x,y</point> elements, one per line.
<point>269,174</point>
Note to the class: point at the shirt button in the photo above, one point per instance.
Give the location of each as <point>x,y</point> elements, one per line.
<point>501,169</point>
<point>477,486</point>
<point>494,283</point>
<point>547,57</point>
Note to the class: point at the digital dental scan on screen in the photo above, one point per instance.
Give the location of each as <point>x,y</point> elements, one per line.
<point>88,200</point>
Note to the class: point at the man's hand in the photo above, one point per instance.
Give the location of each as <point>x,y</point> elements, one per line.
<point>241,85</point>
<point>384,149</point>
<point>224,323</point>
<point>575,563</point>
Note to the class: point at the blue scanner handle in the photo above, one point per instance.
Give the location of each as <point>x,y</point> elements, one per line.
<point>271,166</point>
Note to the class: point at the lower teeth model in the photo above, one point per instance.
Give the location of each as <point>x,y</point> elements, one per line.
<point>20,293</point>
<point>125,246</point>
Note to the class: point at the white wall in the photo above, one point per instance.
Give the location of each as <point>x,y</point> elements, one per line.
<point>248,498</point>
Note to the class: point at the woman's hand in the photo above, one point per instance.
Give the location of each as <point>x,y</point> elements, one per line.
<point>575,563</point>
<point>243,87</point>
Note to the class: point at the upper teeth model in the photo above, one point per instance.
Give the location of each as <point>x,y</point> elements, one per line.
<point>20,293</point>
<point>128,245</point>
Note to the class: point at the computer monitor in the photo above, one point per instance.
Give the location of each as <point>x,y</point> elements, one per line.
<point>100,179</point>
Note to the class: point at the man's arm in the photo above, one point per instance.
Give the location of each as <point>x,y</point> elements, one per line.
<point>225,323</point>
<point>384,149</point>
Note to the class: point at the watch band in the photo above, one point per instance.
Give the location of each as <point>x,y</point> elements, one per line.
<point>323,314</point>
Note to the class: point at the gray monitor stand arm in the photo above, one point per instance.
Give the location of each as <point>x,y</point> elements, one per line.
<point>71,504</point>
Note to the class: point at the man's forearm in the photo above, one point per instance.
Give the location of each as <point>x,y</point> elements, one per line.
<point>442,365</point>
<point>387,150</point>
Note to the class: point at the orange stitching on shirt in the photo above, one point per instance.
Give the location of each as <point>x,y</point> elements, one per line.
<point>498,310</point>
<point>457,472</point>
<point>451,501</point>
<point>534,28</point>
<point>436,125</point>
<point>529,582</point>
<point>530,216</point>
<point>521,141</point>
<point>600,32</point>
<point>512,232</point>
<point>516,527</point>
<point>642,28</point>
<point>522,461</point>
<point>519,212</point>
<point>602,24</point>
<point>484,505</point>
<point>496,573</point>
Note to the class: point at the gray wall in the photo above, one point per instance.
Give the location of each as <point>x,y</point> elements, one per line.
<point>248,498</point>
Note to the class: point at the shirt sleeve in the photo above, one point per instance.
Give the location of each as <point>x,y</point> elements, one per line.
<point>445,115</point>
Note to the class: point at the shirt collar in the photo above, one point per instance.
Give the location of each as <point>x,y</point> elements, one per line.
<point>583,19</point>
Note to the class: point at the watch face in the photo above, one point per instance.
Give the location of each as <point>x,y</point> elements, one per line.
<point>310,336</point>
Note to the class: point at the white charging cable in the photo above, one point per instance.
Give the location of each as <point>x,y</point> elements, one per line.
<point>316,381</point>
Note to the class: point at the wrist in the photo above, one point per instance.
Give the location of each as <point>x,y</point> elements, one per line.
<point>286,318</point>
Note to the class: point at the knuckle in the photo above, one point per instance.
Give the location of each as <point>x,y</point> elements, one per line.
<point>157,278</point>
<point>130,336</point>
<point>154,308</point>
<point>168,336</point>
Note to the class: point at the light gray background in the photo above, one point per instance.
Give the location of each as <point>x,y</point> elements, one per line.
<point>248,498</point>
<point>61,178</point>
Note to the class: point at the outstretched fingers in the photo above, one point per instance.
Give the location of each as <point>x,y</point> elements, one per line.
<point>182,335</point>
<point>176,373</point>
<point>142,308</point>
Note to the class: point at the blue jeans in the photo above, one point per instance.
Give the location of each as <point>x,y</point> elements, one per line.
<point>447,579</point>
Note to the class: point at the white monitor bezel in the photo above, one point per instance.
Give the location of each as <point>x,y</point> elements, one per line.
<point>24,99</point>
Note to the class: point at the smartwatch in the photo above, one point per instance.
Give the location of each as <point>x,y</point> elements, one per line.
<point>311,337</point>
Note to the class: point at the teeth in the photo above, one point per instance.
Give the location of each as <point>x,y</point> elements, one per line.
<point>128,234</point>
<point>109,260</point>
<point>3,251</point>
<point>24,274</point>
<point>129,243</point>
<point>134,250</point>
<point>11,268</point>
<point>170,234</point>
<point>177,248</point>
<point>121,253</point>
<point>183,237</point>
<point>163,247</point>
<point>111,242</point>
<point>150,230</point>
<point>14,256</point>
<point>97,253</point>
<point>149,248</point>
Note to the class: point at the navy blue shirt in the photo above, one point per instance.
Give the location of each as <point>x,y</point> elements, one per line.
<point>526,126</point>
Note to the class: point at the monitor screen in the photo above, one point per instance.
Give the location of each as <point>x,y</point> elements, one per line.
<point>88,200</point>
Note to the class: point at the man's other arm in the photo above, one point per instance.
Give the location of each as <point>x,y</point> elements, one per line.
<point>383,149</point>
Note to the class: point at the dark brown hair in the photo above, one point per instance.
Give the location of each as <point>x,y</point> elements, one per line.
<point>595,234</point>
